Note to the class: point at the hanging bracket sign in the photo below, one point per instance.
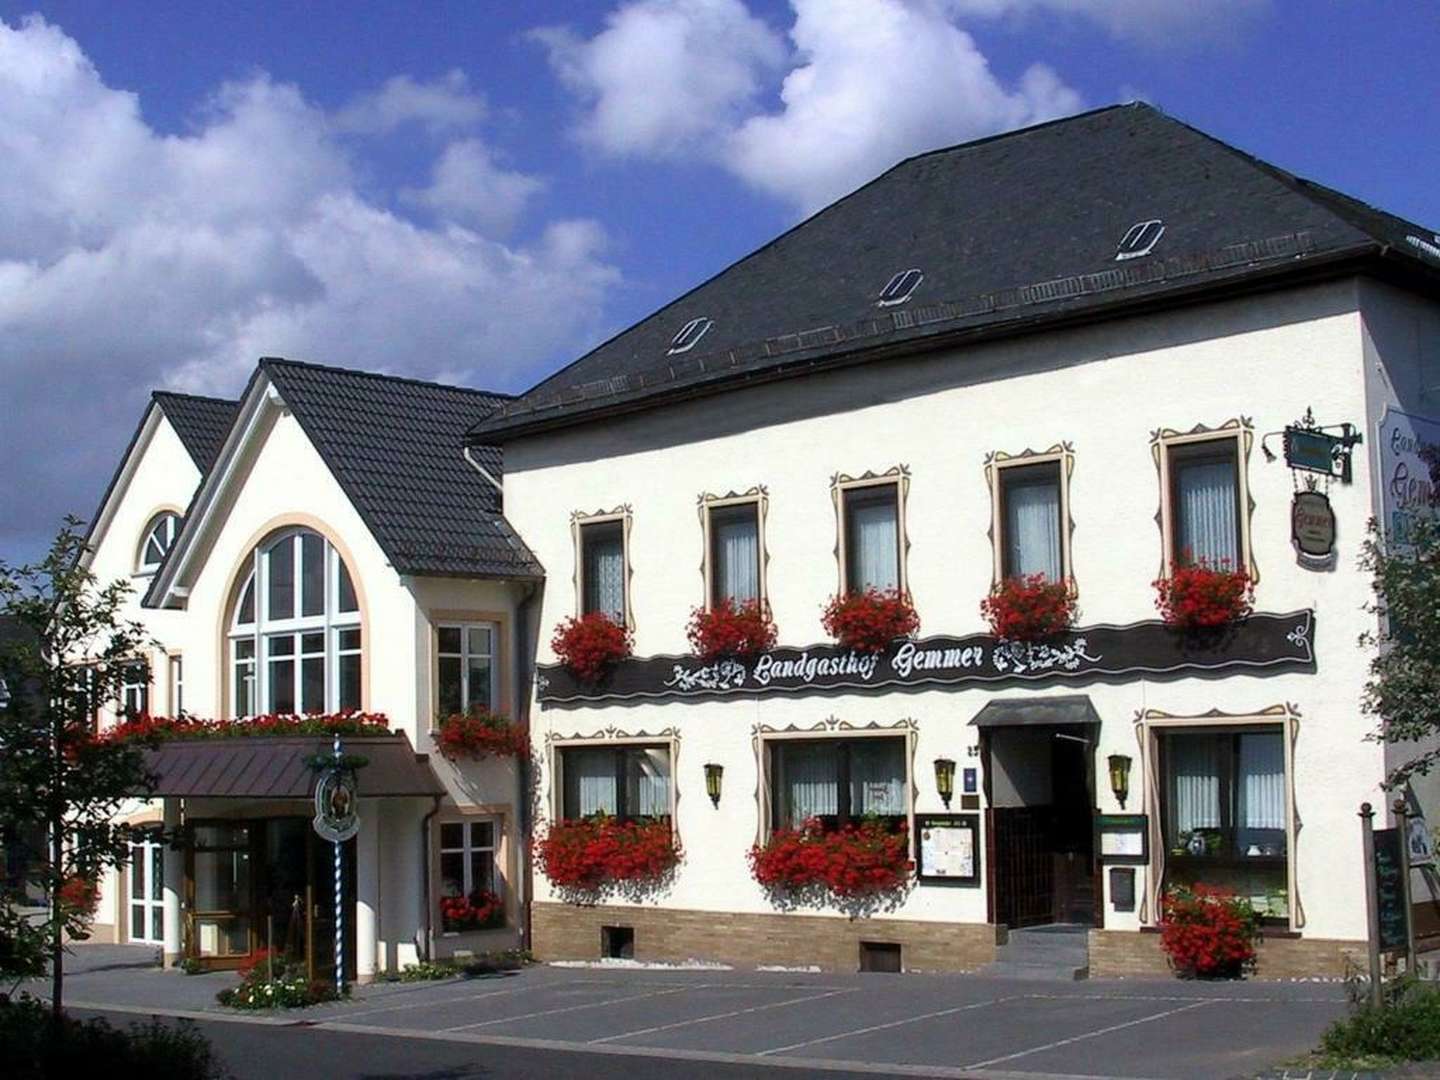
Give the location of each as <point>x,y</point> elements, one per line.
<point>336,816</point>
<point>1312,528</point>
<point>1316,448</point>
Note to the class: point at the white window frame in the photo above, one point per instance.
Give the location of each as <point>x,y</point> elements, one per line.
<point>135,693</point>
<point>171,522</point>
<point>464,656</point>
<point>468,848</point>
<point>175,665</point>
<point>151,850</point>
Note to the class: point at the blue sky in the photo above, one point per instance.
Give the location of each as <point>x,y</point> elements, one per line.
<point>481,191</point>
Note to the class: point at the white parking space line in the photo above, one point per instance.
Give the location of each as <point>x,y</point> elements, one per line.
<point>723,1016</point>
<point>1089,1034</point>
<point>572,1008</point>
<point>438,1002</point>
<point>891,1024</point>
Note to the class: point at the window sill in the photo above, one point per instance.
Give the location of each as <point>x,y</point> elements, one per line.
<point>502,928</point>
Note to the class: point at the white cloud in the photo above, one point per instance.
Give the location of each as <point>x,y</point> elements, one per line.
<point>131,260</point>
<point>664,76</point>
<point>1155,22</point>
<point>468,188</point>
<point>442,104</point>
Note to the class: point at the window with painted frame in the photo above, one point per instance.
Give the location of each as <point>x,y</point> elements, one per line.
<point>1205,497</point>
<point>872,534</point>
<point>603,567</point>
<point>735,554</point>
<point>1031,508</point>
<point>630,782</point>
<point>837,781</point>
<point>470,868</point>
<point>467,667</point>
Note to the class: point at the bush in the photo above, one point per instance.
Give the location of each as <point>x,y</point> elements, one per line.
<point>1030,608</point>
<point>487,963</point>
<point>590,854</point>
<point>1199,596</point>
<point>731,629</point>
<point>869,621</point>
<point>31,1048</point>
<point>479,733</point>
<point>590,644</point>
<point>1207,932</point>
<point>1405,1028</point>
<point>857,860</point>
<point>271,980</point>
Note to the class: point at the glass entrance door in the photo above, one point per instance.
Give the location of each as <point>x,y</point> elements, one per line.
<point>147,878</point>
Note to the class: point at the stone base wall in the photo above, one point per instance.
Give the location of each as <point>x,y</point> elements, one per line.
<point>832,943</point>
<point>1128,954</point>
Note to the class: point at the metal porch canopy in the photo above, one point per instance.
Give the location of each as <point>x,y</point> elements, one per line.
<point>1059,711</point>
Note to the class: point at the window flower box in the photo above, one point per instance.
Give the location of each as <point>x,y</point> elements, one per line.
<point>481,733</point>
<point>1208,933</point>
<point>1199,596</point>
<point>588,645</point>
<point>589,855</point>
<point>1029,608</point>
<point>853,861</point>
<point>731,629</point>
<point>146,728</point>
<point>869,621</point>
<point>481,910</point>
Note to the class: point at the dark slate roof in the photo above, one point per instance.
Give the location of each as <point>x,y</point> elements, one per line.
<point>1012,232</point>
<point>396,448</point>
<point>201,423</point>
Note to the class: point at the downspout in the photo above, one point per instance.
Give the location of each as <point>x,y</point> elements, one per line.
<point>524,612</point>
<point>429,943</point>
<point>499,488</point>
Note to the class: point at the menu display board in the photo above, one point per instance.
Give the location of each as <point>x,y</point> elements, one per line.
<point>1123,838</point>
<point>948,848</point>
<point>1390,891</point>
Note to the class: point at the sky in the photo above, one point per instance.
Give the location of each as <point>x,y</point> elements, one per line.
<point>480,192</point>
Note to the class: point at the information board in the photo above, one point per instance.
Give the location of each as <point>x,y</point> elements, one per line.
<point>1390,890</point>
<point>948,848</point>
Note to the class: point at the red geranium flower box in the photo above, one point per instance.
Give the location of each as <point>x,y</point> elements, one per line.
<point>1029,608</point>
<point>590,854</point>
<point>479,733</point>
<point>856,860</point>
<point>481,910</point>
<point>869,621</point>
<point>731,629</point>
<point>1198,595</point>
<point>156,728</point>
<point>590,644</point>
<point>1208,932</point>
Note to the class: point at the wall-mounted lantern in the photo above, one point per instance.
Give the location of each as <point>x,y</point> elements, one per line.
<point>713,775</point>
<point>945,779</point>
<point>1120,777</point>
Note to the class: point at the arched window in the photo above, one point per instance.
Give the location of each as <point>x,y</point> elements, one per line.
<point>159,535</point>
<point>295,637</point>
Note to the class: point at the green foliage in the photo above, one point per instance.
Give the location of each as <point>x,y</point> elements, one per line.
<point>488,963</point>
<point>1405,1028</point>
<point>273,981</point>
<point>36,1046</point>
<point>426,971</point>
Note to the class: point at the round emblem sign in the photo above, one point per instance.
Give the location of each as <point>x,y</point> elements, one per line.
<point>336,818</point>
<point>1312,525</point>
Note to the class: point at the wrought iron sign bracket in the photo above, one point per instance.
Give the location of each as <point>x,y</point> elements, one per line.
<point>1316,448</point>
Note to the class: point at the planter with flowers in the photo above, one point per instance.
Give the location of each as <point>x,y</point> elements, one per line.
<point>591,644</point>
<point>481,910</point>
<point>862,865</point>
<point>480,733</point>
<point>1029,608</point>
<point>591,856</point>
<point>731,629</point>
<point>1204,596</point>
<point>1208,932</point>
<point>869,621</point>
<point>145,728</point>
<point>79,901</point>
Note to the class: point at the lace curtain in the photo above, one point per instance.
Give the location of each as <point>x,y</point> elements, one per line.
<point>874,544</point>
<point>605,571</point>
<point>1032,530</point>
<point>1205,513</point>
<point>737,554</point>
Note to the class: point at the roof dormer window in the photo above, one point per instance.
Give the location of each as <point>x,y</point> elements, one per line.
<point>1140,239</point>
<point>159,536</point>
<point>689,335</point>
<point>899,288</point>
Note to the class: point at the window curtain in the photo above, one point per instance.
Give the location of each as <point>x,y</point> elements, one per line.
<point>1261,784</point>
<point>1205,513</point>
<point>875,538</point>
<point>590,783</point>
<point>877,777</point>
<point>809,774</point>
<point>737,556</point>
<point>649,772</point>
<point>605,574</point>
<point>1032,530</point>
<point>1195,773</point>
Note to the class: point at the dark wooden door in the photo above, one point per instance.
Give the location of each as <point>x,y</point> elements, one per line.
<point>1024,866</point>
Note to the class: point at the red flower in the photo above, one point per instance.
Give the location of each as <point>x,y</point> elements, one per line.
<point>1197,595</point>
<point>480,910</point>
<point>853,861</point>
<point>869,621</point>
<point>144,727</point>
<point>1208,932</point>
<point>480,732</point>
<point>590,644</point>
<point>588,855</point>
<point>80,895</point>
<point>730,629</point>
<point>1029,608</point>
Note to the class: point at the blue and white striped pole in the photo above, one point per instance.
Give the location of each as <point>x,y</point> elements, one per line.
<point>339,902</point>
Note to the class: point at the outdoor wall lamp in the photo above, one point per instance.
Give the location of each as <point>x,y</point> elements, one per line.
<point>713,774</point>
<point>945,779</point>
<point>1120,777</point>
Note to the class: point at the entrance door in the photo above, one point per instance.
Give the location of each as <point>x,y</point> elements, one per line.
<point>147,877</point>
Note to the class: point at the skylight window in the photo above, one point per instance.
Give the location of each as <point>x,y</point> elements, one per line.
<point>689,335</point>
<point>899,288</point>
<point>1141,239</point>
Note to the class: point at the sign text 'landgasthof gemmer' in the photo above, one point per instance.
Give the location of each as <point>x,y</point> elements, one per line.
<point>1145,649</point>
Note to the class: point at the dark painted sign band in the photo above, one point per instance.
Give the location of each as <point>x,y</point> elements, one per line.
<point>1263,642</point>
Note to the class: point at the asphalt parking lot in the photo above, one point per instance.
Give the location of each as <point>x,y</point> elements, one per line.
<point>935,1025</point>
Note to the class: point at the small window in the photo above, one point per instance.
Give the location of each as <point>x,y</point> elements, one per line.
<point>689,336</point>
<point>1205,503</point>
<point>1140,239</point>
<point>135,691</point>
<point>625,782</point>
<point>466,667</point>
<point>899,288</point>
<point>602,569</point>
<point>467,858</point>
<point>735,552</point>
<point>837,781</point>
<point>1031,541</point>
<point>871,533</point>
<point>159,537</point>
<point>177,686</point>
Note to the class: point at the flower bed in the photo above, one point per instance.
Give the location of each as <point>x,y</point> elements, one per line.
<point>1029,608</point>
<point>152,728</point>
<point>272,980</point>
<point>1208,933</point>
<point>869,621</point>
<point>1199,596</point>
<point>481,733</point>
<point>591,854</point>
<point>590,644</point>
<point>481,910</point>
<point>731,629</point>
<point>857,860</point>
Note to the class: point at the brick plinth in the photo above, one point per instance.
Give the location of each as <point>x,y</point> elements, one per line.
<point>832,943</point>
<point>1126,953</point>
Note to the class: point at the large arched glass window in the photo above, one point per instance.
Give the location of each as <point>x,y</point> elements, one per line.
<point>155,545</point>
<point>295,638</point>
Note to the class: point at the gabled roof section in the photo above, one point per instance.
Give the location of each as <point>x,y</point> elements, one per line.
<point>200,422</point>
<point>1011,233</point>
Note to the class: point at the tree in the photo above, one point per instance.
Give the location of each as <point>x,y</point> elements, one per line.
<point>72,656</point>
<point>1403,691</point>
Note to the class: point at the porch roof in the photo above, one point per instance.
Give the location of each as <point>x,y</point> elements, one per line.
<point>1038,712</point>
<point>274,767</point>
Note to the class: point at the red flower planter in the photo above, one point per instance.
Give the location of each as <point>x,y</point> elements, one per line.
<point>1030,608</point>
<point>481,910</point>
<point>858,860</point>
<point>80,896</point>
<point>870,621</point>
<point>1198,596</point>
<point>144,727</point>
<point>1208,932</point>
<point>590,644</point>
<point>591,854</point>
<point>479,734</point>
<point>730,629</point>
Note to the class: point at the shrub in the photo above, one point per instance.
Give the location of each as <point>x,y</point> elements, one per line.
<point>590,644</point>
<point>587,855</point>
<point>869,621</point>
<point>80,895</point>
<point>491,963</point>
<point>426,971</point>
<point>481,910</point>
<point>852,861</point>
<point>1405,1028</point>
<point>1208,932</point>
<point>1030,608</point>
<point>480,733</point>
<point>730,629</point>
<point>272,980</point>
<point>1198,596</point>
